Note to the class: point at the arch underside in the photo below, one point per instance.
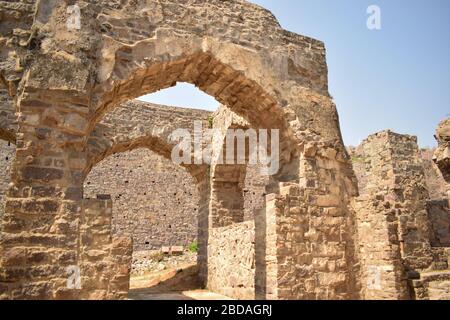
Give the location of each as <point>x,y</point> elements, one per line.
<point>230,87</point>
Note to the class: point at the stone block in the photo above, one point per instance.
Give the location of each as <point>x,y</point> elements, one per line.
<point>176,250</point>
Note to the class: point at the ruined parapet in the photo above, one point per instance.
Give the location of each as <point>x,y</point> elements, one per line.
<point>392,222</point>
<point>442,153</point>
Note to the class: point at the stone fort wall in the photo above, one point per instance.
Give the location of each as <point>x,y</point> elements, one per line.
<point>154,200</point>
<point>157,201</point>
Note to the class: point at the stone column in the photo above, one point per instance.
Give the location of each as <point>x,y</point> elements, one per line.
<point>105,260</point>
<point>203,227</point>
<point>40,226</point>
<point>307,230</point>
<point>266,262</point>
<point>393,227</point>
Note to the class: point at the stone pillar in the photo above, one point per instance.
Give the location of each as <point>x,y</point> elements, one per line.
<point>393,227</point>
<point>105,261</point>
<point>309,245</point>
<point>40,226</point>
<point>266,262</point>
<point>203,228</point>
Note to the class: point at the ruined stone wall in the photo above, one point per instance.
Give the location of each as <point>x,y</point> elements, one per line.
<point>393,226</point>
<point>231,260</point>
<point>437,187</point>
<point>125,49</point>
<point>8,122</point>
<point>382,273</point>
<point>105,259</point>
<point>154,200</point>
<point>7,153</point>
<point>309,248</point>
<point>442,153</point>
<point>438,206</point>
<point>439,215</point>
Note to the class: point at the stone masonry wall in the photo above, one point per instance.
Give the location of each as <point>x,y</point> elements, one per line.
<point>392,221</point>
<point>8,121</point>
<point>154,200</point>
<point>105,259</point>
<point>231,260</point>
<point>442,153</point>
<point>437,187</point>
<point>439,215</point>
<point>438,206</point>
<point>7,153</point>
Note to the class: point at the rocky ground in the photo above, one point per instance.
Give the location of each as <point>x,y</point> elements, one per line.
<point>148,262</point>
<point>159,276</point>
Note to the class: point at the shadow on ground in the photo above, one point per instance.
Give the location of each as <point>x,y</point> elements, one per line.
<point>181,284</point>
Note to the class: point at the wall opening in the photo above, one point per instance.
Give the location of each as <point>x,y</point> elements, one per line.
<point>156,202</point>
<point>183,95</point>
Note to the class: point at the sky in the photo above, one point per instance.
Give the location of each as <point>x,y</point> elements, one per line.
<point>394,78</point>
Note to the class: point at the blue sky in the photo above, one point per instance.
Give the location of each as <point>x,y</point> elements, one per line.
<point>395,78</point>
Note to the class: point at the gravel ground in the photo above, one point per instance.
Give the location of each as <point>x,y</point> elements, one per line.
<point>145,262</point>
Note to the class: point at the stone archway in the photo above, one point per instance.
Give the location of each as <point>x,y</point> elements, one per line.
<point>269,76</point>
<point>137,125</point>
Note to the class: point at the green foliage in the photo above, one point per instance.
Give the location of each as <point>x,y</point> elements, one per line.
<point>356,159</point>
<point>193,247</point>
<point>211,121</point>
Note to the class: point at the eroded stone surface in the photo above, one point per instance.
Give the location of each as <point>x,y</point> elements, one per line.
<point>442,154</point>
<point>310,243</point>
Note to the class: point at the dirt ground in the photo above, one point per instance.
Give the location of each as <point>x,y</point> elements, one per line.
<point>170,280</point>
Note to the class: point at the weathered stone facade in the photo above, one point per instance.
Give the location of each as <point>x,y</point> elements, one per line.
<point>155,200</point>
<point>7,153</point>
<point>398,227</point>
<point>442,153</point>
<point>105,259</point>
<point>437,187</point>
<point>232,260</point>
<point>67,84</point>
